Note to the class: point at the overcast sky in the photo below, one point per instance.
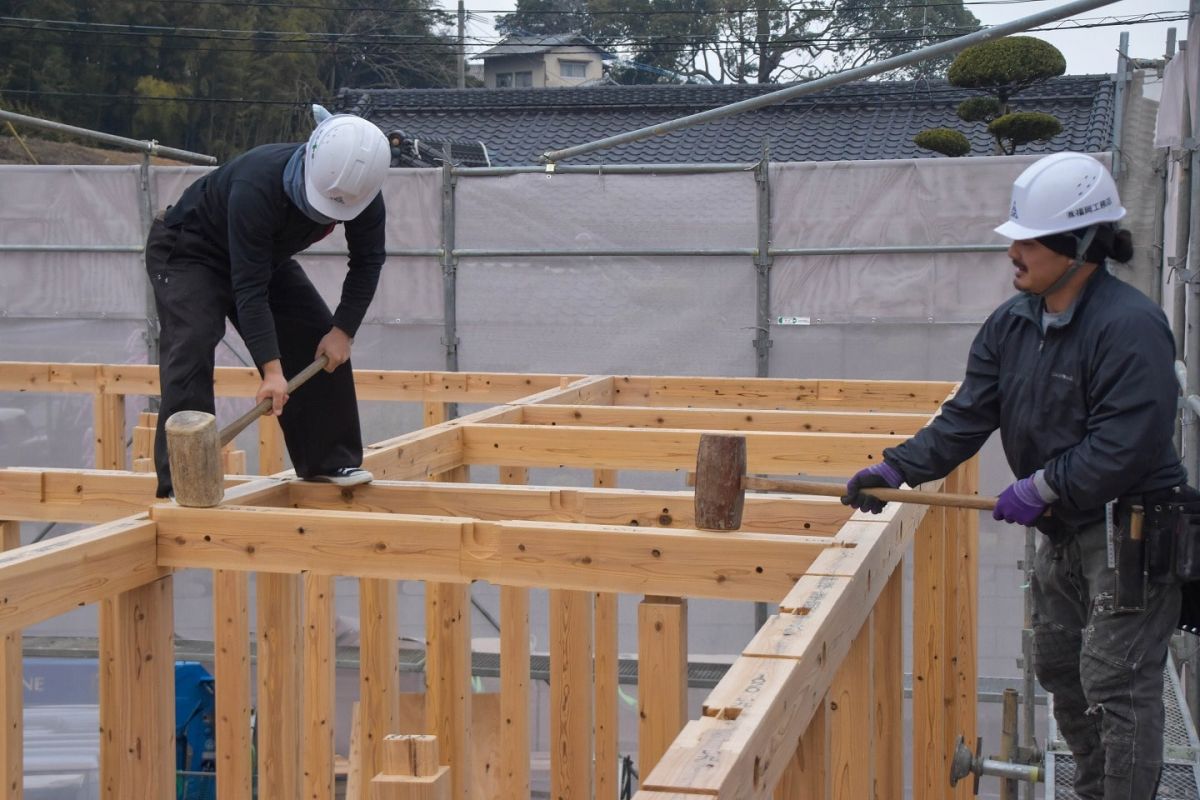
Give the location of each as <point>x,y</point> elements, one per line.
<point>1088,51</point>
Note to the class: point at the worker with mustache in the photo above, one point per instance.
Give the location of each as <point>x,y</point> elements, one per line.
<point>1077,373</point>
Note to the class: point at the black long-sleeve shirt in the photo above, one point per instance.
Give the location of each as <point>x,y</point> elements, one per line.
<point>245,222</point>
<point>1091,400</point>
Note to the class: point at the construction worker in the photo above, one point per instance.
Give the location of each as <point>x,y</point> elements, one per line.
<point>1076,371</point>
<point>225,250</point>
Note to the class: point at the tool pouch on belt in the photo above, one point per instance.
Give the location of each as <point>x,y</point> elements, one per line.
<point>1129,552</point>
<point>1172,533</point>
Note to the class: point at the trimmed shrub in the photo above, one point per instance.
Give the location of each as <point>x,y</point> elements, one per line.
<point>946,141</point>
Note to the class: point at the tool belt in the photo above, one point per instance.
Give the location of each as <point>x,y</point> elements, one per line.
<point>1157,540</point>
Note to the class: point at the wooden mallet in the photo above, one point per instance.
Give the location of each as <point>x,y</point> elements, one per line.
<point>721,484</point>
<point>194,446</point>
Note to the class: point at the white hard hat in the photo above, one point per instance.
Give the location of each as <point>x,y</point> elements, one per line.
<point>345,163</point>
<point>1060,193</point>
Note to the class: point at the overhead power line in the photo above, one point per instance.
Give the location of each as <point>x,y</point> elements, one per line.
<point>329,38</point>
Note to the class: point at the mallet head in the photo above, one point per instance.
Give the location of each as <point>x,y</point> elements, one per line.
<point>194,450</point>
<point>720,467</point>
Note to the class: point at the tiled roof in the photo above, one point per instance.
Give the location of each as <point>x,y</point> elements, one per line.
<point>528,45</point>
<point>865,120</point>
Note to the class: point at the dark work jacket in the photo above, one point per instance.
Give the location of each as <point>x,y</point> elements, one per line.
<point>243,222</point>
<point>1092,401</point>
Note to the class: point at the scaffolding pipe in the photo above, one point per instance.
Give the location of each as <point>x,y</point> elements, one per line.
<point>151,147</point>
<point>1123,78</point>
<point>898,249</point>
<point>605,169</point>
<point>1027,719</point>
<point>618,252</point>
<point>449,266</point>
<point>830,81</point>
<point>762,272</point>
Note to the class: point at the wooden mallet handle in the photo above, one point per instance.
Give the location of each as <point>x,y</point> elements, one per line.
<point>887,495</point>
<point>241,423</point>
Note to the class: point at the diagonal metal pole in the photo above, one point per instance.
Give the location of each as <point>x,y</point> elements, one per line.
<point>830,81</point>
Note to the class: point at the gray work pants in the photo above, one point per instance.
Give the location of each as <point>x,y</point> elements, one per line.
<point>1103,666</point>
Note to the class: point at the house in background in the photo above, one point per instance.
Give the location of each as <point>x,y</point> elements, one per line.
<point>864,120</point>
<point>538,62</point>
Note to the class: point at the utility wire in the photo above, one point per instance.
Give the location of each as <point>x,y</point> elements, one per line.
<point>427,40</point>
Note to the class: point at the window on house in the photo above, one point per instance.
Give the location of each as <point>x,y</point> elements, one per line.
<point>523,80</point>
<point>572,69</point>
<point>504,80</point>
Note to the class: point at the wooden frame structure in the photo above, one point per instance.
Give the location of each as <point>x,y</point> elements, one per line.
<point>812,708</point>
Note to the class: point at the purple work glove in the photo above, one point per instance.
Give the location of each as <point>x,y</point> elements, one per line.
<point>1021,503</point>
<point>875,476</point>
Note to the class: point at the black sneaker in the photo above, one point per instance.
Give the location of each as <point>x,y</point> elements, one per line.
<point>344,476</point>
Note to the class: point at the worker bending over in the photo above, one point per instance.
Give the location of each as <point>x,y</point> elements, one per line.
<point>225,250</point>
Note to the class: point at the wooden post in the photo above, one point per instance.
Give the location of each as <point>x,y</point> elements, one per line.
<point>851,707</point>
<point>378,669</point>
<point>319,681</point>
<point>889,688</point>
<point>570,694</point>
<point>662,676</point>
<point>448,658</point>
<point>141,450</point>
<point>279,705</point>
<point>448,678</point>
<point>930,756</point>
<point>808,774</point>
<point>962,605</point>
<point>108,420</point>
<point>137,694</point>
<point>411,770</point>
<point>514,677</point>
<point>12,696</point>
<point>231,665</point>
<point>607,664</point>
<point>270,446</point>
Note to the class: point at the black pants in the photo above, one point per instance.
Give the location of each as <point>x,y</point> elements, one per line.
<point>1103,664</point>
<point>194,296</point>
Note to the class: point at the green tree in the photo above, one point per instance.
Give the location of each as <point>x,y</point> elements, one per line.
<point>212,77</point>
<point>1001,69</point>
<point>744,41</point>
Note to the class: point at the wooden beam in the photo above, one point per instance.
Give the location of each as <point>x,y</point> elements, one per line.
<point>91,496</point>
<point>451,387</point>
<point>271,446</point>
<point>852,724</point>
<point>808,772</point>
<point>448,678</point>
<point>318,680</point>
<point>571,682</point>
<point>888,676</point>
<point>822,454</point>
<point>278,697</point>
<point>962,606</point>
<point>411,770</point>
<point>108,427</point>
<point>378,670</point>
<point>764,512</point>
<point>231,662</point>
<point>514,678</point>
<point>12,700</point>
<point>137,693</point>
<point>662,676</point>
<point>767,697</point>
<point>606,663</point>
<point>781,393</point>
<point>929,703</point>
<point>54,576</point>
<point>549,555</point>
<point>725,419</point>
